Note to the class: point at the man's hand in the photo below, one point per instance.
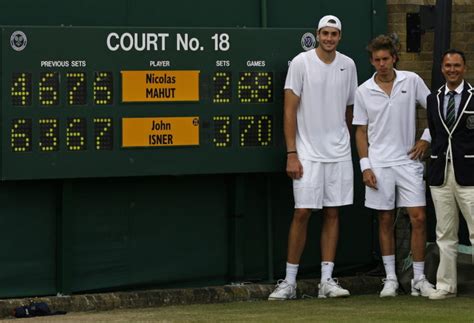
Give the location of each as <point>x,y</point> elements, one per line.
<point>294,169</point>
<point>419,149</point>
<point>369,178</point>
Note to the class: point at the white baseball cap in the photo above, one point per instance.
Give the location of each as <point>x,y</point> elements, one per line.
<point>330,21</point>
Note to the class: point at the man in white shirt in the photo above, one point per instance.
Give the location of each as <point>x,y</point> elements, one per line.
<point>385,113</point>
<point>319,92</point>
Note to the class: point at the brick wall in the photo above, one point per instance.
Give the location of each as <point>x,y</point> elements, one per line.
<point>462,37</point>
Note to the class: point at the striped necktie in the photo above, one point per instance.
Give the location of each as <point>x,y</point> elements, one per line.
<point>451,111</point>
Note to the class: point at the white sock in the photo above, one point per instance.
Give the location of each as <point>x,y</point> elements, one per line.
<point>291,272</point>
<point>326,270</point>
<point>418,270</point>
<point>389,265</point>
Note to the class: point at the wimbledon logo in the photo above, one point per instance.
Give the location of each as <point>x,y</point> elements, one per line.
<point>308,41</point>
<point>18,40</point>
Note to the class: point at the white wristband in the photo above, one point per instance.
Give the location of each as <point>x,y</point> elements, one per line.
<point>426,136</point>
<point>365,164</point>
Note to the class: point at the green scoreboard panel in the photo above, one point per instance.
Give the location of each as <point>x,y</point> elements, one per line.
<point>101,102</point>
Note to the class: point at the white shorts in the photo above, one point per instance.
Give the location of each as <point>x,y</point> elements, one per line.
<point>324,184</point>
<point>401,185</point>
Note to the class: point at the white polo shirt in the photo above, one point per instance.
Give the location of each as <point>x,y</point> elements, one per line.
<point>325,90</point>
<point>391,119</point>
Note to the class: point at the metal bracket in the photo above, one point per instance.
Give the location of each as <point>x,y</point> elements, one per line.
<point>417,23</point>
<point>427,18</point>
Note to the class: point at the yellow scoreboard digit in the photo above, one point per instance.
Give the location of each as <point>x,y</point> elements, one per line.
<point>255,87</point>
<point>76,134</point>
<point>21,89</point>
<point>76,88</point>
<point>222,131</point>
<point>49,89</point>
<point>20,133</point>
<point>103,88</point>
<point>104,133</point>
<point>49,134</point>
<point>255,130</point>
<point>222,87</point>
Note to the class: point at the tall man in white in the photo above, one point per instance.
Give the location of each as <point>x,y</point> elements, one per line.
<point>319,92</point>
<point>385,112</point>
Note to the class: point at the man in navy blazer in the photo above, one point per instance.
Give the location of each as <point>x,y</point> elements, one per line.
<point>451,175</point>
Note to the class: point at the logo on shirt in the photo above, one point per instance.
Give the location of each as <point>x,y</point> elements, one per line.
<point>308,41</point>
<point>342,69</point>
<point>470,122</point>
<point>403,91</point>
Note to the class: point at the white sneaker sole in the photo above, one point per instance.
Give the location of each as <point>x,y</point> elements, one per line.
<point>417,293</point>
<point>281,299</point>
<point>334,296</point>
<point>444,297</point>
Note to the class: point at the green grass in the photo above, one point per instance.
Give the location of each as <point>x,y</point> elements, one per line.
<point>367,308</point>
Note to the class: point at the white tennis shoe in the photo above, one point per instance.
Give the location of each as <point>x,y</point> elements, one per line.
<point>422,287</point>
<point>283,291</point>
<point>331,288</point>
<point>390,287</point>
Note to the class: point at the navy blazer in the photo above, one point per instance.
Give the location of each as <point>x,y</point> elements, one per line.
<point>460,140</point>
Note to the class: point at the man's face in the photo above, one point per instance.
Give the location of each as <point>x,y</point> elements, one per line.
<point>453,69</point>
<point>329,38</point>
<point>383,62</point>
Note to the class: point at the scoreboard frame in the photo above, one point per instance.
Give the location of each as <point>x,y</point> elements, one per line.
<point>111,102</point>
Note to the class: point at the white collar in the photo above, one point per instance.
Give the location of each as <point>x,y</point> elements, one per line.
<point>399,76</point>
<point>458,90</point>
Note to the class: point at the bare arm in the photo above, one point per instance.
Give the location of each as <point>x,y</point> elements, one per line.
<point>349,117</point>
<point>362,142</point>
<point>421,146</point>
<point>294,169</point>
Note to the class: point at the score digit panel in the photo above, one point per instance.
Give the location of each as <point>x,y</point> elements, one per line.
<point>103,102</point>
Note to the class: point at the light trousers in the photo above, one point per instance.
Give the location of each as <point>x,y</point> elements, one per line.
<point>448,200</point>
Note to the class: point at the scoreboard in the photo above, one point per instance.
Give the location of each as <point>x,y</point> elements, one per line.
<point>101,102</point>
